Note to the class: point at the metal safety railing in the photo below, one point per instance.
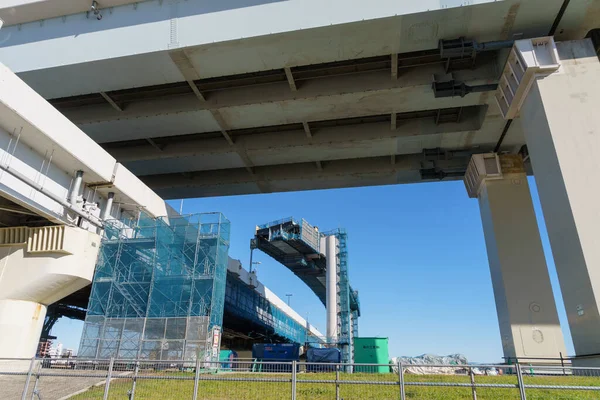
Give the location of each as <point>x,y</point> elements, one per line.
<point>30,379</point>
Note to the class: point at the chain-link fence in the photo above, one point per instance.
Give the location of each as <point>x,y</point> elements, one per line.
<point>77,379</point>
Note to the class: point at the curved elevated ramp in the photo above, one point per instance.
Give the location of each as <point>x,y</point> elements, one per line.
<point>296,245</point>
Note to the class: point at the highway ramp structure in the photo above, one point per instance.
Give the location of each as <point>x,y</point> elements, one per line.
<point>256,303</point>
<point>56,187</point>
<point>371,101</point>
<point>320,260</point>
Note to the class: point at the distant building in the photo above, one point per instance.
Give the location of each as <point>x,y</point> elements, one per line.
<point>43,350</point>
<point>67,353</point>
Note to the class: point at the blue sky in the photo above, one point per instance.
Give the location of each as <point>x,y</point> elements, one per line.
<point>416,254</point>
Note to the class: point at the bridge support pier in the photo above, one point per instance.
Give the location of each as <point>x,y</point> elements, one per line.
<point>39,266</point>
<point>561,121</point>
<point>529,325</point>
<point>21,323</point>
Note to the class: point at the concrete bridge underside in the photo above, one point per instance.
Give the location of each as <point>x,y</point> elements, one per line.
<point>245,97</point>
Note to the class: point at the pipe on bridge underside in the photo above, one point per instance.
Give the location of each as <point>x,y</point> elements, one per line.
<point>91,219</point>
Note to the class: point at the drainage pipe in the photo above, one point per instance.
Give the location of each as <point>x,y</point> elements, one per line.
<point>76,187</point>
<point>92,220</point>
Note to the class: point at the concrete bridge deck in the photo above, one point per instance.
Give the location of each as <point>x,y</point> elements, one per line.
<point>254,96</point>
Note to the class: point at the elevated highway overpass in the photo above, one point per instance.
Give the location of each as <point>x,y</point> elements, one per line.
<point>252,96</point>
<point>256,96</point>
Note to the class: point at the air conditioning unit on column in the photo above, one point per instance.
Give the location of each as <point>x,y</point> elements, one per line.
<point>481,167</point>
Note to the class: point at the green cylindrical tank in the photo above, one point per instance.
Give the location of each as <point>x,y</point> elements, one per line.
<point>371,350</point>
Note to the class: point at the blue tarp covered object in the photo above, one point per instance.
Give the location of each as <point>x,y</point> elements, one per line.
<point>330,356</point>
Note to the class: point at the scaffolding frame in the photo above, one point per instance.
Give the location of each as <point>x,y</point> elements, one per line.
<point>159,288</point>
<point>345,331</point>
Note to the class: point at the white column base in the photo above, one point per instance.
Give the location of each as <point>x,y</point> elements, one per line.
<point>20,325</point>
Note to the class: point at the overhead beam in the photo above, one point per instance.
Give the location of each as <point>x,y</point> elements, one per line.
<point>290,140</point>
<point>307,129</point>
<point>111,102</point>
<point>290,78</point>
<point>154,144</point>
<point>189,72</point>
<point>187,69</point>
<point>303,176</point>
<point>196,91</point>
<point>248,164</point>
<point>415,84</point>
<point>222,125</point>
<point>239,148</point>
<point>16,209</point>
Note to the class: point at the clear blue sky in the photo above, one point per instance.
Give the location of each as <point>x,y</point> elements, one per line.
<point>417,256</point>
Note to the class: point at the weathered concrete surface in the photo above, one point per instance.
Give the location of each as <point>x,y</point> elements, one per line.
<point>562,126</point>
<point>527,315</point>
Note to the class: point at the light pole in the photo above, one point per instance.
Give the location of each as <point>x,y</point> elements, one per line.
<point>252,247</point>
<point>254,263</point>
<point>288,295</point>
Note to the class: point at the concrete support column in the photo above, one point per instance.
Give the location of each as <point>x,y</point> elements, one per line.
<point>529,325</point>
<point>561,120</point>
<point>35,271</point>
<point>331,288</point>
<point>20,325</point>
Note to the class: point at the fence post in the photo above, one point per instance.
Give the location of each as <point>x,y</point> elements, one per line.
<point>520,381</point>
<point>562,363</point>
<point>24,395</point>
<point>401,380</point>
<point>337,382</point>
<point>37,379</point>
<point>473,387</point>
<point>196,378</point>
<point>294,380</point>
<point>108,378</point>
<point>135,374</point>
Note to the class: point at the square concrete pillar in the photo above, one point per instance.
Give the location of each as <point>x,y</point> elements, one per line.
<point>529,325</point>
<point>560,115</point>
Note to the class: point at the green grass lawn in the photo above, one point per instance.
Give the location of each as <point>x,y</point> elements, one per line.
<point>163,387</point>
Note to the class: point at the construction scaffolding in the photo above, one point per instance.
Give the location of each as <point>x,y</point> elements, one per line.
<point>347,315</point>
<point>159,289</point>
